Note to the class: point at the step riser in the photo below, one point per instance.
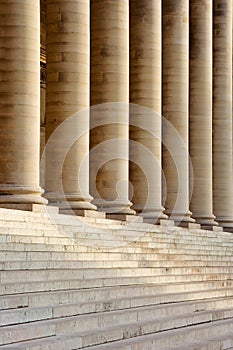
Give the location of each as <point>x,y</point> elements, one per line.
<point>171,339</point>
<point>32,265</point>
<point>114,302</point>
<point>159,274</point>
<point>13,288</point>
<point>84,324</point>
<point>53,235</point>
<point>13,255</point>
<point>90,246</point>
<point>53,285</point>
<point>134,315</point>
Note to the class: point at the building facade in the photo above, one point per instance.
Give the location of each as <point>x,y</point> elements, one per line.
<point>136,61</point>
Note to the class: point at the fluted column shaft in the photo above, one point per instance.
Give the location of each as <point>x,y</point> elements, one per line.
<point>68,56</point>
<point>201,110</point>
<point>175,108</point>
<point>110,84</point>
<point>222,114</point>
<point>145,124</point>
<point>20,103</point>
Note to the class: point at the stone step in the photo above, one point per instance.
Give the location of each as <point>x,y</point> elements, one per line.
<point>53,217</point>
<point>109,241</point>
<point>73,222</point>
<point>14,255</point>
<point>84,264</point>
<point>143,235</point>
<point>33,247</point>
<point>169,339</point>
<point>24,219</point>
<point>14,238</point>
<point>89,330</point>
<point>54,282</point>
<point>110,289</point>
<point>122,272</point>
<point>108,235</point>
<point>69,220</point>
<point>215,343</point>
<point>112,298</point>
<point>173,257</point>
<point>52,237</point>
<point>183,263</point>
<point>140,328</point>
<point>85,287</point>
<point>75,264</point>
<point>139,312</point>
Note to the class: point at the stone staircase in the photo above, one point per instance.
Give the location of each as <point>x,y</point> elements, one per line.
<point>90,283</point>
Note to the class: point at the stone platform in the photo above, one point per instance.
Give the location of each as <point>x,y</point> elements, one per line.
<point>71,282</point>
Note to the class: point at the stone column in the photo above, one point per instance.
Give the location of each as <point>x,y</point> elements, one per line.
<point>20,104</point>
<point>68,56</point>
<point>222,114</point>
<point>176,108</point>
<point>145,125</point>
<point>109,122</point>
<point>201,110</point>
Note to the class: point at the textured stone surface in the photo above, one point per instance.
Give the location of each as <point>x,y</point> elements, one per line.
<point>68,81</point>
<point>222,113</point>
<point>63,294</point>
<point>176,108</point>
<point>20,102</point>
<point>145,123</point>
<point>200,80</point>
<point>109,123</point>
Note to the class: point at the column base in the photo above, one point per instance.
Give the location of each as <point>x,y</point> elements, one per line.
<point>226,223</point>
<point>207,222</point>
<point>94,214</point>
<point>152,216</point>
<point>21,197</point>
<point>114,207</point>
<point>181,219</point>
<point>71,201</point>
<point>212,228</point>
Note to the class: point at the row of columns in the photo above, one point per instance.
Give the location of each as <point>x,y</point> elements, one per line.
<point>135,58</point>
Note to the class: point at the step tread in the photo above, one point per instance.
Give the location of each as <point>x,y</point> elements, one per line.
<point>163,336</point>
<point>109,298</point>
<point>95,308</point>
<point>213,343</point>
<point>51,327</point>
<point>75,339</point>
<point>41,300</point>
<point>85,283</point>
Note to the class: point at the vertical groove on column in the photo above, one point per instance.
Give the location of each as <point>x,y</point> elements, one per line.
<point>109,122</point>
<point>68,56</point>
<point>222,114</point>
<point>175,108</point>
<point>145,123</point>
<point>201,110</point>
<point>20,102</point>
